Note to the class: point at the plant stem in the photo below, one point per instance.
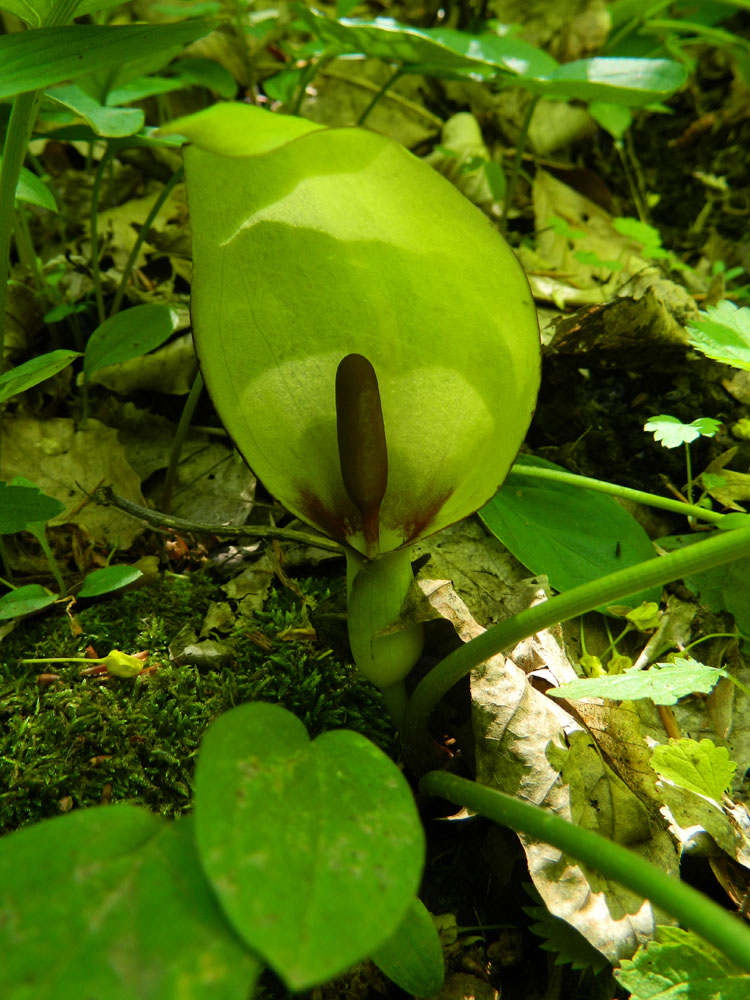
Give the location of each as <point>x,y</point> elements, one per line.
<point>95,193</point>
<point>22,117</point>
<point>419,750</point>
<point>105,495</point>
<point>600,486</point>
<point>724,930</point>
<point>179,440</point>
<point>383,90</point>
<point>689,469</point>
<point>515,170</point>
<point>142,234</point>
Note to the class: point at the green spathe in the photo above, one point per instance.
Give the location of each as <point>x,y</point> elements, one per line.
<point>311,244</point>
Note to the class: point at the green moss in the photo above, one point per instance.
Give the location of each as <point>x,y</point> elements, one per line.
<point>82,740</point>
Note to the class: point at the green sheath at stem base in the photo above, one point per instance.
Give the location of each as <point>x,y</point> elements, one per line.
<point>377,590</point>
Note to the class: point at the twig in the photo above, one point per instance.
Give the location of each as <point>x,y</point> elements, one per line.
<point>107,497</point>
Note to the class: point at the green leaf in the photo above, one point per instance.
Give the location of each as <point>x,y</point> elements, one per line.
<point>663,683</point>
<point>639,231</point>
<point>119,896</point>
<point>723,333</point>
<point>681,966</point>
<point>35,12</point>
<point>314,849</point>
<point>32,60</point>
<point>413,956</point>
<point>700,767</point>
<point>723,588</point>
<point>449,53</point>
<point>24,505</point>
<point>128,334</point>
<point>632,82</point>
<point>614,118</point>
<point>105,121</point>
<point>433,51</point>
<point>104,581</point>
<point>671,432</point>
<point>32,190</point>
<point>560,938</point>
<point>31,373</point>
<point>570,534</point>
<point>25,601</point>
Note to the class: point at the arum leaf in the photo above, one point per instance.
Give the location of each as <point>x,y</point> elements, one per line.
<point>24,505</point>
<point>131,920</point>
<point>723,333</point>
<point>128,334</point>
<point>311,244</point>
<point>31,373</point>
<point>24,601</point>
<point>32,60</point>
<point>664,683</point>
<point>104,581</point>
<point>314,849</point>
<point>571,535</point>
<point>700,767</point>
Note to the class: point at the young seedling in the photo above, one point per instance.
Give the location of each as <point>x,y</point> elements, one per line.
<point>672,433</point>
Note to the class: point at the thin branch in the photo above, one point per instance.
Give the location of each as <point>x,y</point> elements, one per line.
<point>106,496</point>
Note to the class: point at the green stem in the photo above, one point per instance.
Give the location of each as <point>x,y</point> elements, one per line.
<point>600,486</point>
<point>41,537</point>
<point>515,170</point>
<point>419,750</point>
<point>722,929</point>
<point>179,440</point>
<point>95,193</point>
<point>689,469</point>
<point>22,117</point>
<point>383,90</point>
<point>67,659</point>
<point>142,234</point>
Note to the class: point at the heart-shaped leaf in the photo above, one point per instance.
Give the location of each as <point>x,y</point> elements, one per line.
<point>25,600</point>
<point>314,849</point>
<point>112,903</point>
<point>107,579</point>
<point>21,505</point>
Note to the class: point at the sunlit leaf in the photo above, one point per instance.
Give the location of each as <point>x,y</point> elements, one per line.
<point>664,683</point>
<point>129,334</point>
<point>698,766</point>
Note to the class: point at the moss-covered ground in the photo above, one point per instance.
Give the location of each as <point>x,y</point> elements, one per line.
<point>82,740</point>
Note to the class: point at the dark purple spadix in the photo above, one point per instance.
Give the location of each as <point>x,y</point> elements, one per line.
<point>363,454</point>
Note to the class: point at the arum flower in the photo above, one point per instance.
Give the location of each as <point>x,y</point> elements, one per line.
<point>368,339</point>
